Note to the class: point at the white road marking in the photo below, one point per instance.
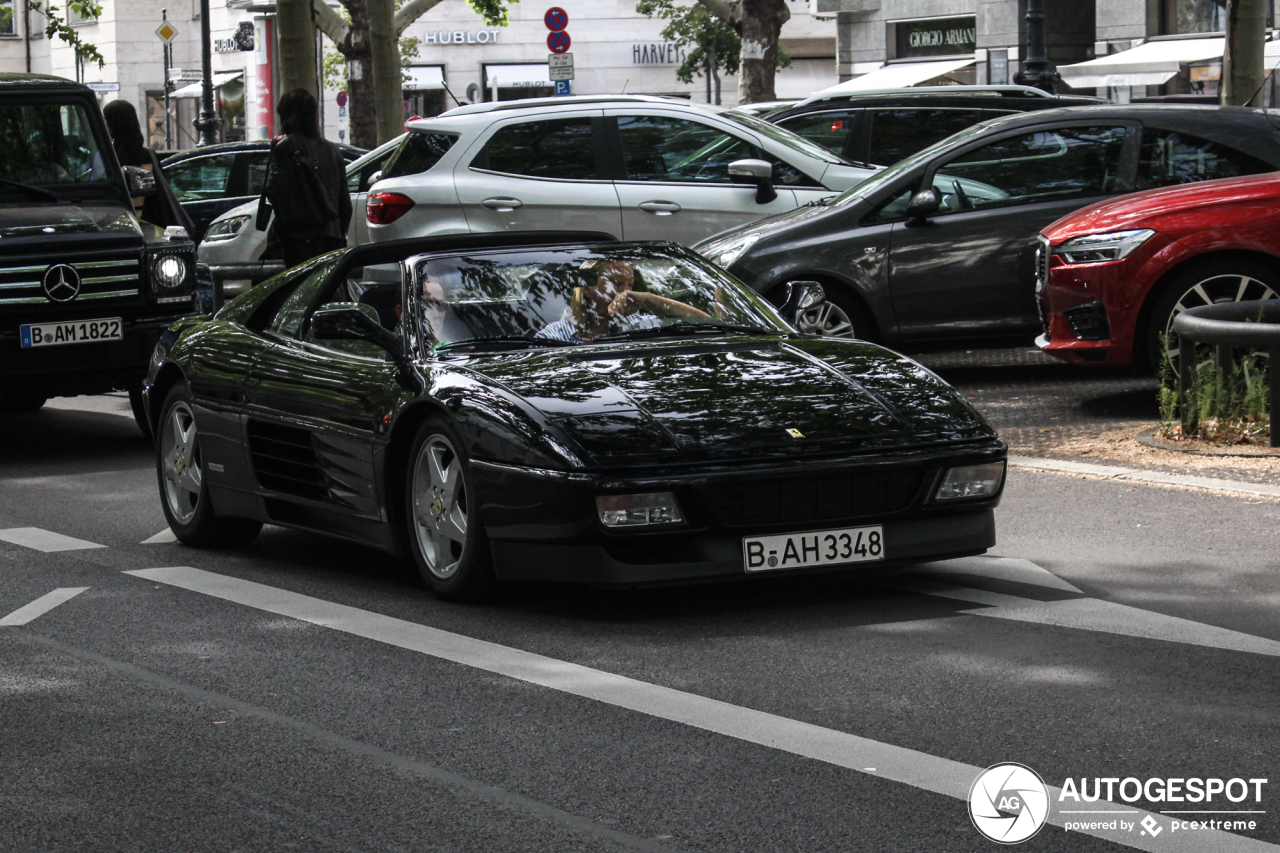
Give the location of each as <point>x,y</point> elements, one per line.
<point>1091,614</point>
<point>44,540</point>
<point>164,536</point>
<point>41,606</point>
<point>1115,472</point>
<point>895,763</point>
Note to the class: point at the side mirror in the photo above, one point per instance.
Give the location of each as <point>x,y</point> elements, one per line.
<point>348,322</point>
<point>801,296</point>
<point>758,172</point>
<point>924,204</point>
<point>139,181</point>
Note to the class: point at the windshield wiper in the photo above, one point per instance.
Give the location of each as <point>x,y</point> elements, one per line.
<point>34,190</point>
<point>680,329</point>
<point>527,340</point>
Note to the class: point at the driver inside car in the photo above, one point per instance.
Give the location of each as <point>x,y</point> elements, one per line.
<point>615,303</point>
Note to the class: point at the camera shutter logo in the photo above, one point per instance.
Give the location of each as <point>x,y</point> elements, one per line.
<point>1008,803</point>
<point>61,283</point>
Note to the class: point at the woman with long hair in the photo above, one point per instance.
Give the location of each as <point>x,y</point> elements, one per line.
<point>163,207</point>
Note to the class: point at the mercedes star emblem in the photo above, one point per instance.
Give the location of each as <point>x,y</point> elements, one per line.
<point>61,283</point>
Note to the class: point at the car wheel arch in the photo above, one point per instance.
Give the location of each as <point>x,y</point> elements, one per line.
<point>170,374</point>
<point>1141,358</point>
<point>396,464</point>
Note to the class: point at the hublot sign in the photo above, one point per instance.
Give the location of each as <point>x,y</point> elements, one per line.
<point>936,37</point>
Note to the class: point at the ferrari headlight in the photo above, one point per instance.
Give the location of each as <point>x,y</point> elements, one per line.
<point>168,272</point>
<point>724,255</point>
<point>658,508</point>
<point>1099,248</point>
<point>225,229</point>
<point>971,481</point>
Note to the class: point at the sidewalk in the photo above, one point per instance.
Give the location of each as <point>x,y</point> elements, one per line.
<point>1084,422</point>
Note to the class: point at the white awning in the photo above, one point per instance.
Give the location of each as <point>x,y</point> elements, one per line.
<point>424,77</point>
<point>508,76</point>
<point>897,75</point>
<point>194,90</point>
<point>1148,64</point>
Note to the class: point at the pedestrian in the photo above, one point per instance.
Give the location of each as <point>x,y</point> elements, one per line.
<point>306,184</point>
<point>161,208</point>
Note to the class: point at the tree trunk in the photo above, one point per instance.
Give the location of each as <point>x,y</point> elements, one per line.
<point>359,56</point>
<point>759,23</point>
<point>1243,66</point>
<point>715,72</point>
<point>388,94</point>
<point>297,46</point>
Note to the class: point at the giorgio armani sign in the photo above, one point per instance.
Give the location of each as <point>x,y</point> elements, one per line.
<point>936,37</point>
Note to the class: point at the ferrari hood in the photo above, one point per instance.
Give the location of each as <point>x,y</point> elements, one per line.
<point>756,398</point>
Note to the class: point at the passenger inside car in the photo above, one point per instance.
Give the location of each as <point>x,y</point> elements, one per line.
<point>618,301</point>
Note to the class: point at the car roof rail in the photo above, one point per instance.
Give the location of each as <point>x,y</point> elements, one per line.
<point>561,101</point>
<point>1004,91</point>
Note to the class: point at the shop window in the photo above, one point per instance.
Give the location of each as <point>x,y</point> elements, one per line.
<point>559,148</point>
<point>8,18</point>
<point>1178,17</point>
<point>1168,157</point>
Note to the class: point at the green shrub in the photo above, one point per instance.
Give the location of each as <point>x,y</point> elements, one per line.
<point>1231,408</point>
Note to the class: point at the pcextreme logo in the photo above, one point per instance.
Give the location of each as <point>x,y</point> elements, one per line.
<point>1008,803</point>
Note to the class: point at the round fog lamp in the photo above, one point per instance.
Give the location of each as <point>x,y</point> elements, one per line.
<point>169,272</point>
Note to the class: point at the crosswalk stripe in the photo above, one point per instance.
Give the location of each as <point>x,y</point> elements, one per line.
<point>161,538</point>
<point>44,540</point>
<point>41,606</point>
<point>894,763</point>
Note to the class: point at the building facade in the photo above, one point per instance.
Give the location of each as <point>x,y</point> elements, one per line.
<point>459,59</point>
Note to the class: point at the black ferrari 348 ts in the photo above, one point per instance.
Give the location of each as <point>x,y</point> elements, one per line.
<point>561,407</point>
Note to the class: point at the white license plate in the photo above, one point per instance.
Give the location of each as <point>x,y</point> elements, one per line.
<point>78,332</point>
<point>816,548</point>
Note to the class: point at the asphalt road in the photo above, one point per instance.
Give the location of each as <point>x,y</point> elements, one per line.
<point>302,694</point>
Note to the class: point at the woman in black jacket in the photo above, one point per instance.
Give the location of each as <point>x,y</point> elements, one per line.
<point>161,208</point>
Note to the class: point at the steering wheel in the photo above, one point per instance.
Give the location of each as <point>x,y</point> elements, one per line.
<point>965,203</point>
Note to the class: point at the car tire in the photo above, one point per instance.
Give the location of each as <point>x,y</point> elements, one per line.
<point>1230,280</point>
<point>21,402</point>
<point>838,316</point>
<point>446,538</point>
<point>184,492</point>
<point>139,411</point>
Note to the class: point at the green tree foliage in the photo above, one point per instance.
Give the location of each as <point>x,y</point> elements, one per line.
<point>56,26</point>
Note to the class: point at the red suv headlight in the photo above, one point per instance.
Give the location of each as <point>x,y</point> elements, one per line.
<point>385,208</point>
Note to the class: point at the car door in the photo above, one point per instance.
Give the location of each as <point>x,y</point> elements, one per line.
<point>314,409</point>
<point>968,270</point>
<point>532,174</point>
<point>201,185</point>
<point>674,181</point>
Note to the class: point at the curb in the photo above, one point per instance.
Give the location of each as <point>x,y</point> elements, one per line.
<point>1115,472</point>
<point>1148,438</point>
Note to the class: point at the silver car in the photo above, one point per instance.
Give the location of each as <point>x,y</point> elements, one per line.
<point>233,245</point>
<point>637,167</point>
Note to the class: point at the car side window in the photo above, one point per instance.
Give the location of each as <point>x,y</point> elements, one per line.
<point>200,177</point>
<point>898,133</point>
<point>558,148</point>
<point>1066,162</point>
<point>288,318</point>
<point>829,129</point>
<point>658,148</point>
<point>256,172</point>
<point>1168,157</point>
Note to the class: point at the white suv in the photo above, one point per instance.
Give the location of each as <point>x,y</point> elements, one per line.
<point>637,167</point>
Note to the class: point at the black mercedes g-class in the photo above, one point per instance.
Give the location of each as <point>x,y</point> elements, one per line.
<point>85,287</point>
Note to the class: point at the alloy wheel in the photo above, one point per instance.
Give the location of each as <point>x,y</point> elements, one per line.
<point>1229,287</point>
<point>181,466</point>
<point>826,318</point>
<point>440,506</point>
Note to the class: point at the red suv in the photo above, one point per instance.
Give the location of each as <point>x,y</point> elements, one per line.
<point>1111,278</point>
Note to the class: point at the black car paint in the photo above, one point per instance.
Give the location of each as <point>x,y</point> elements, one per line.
<point>88,223</point>
<point>548,430</point>
<point>954,258</point>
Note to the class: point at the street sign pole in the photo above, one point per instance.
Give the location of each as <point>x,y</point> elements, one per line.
<point>208,122</point>
<point>167,31</point>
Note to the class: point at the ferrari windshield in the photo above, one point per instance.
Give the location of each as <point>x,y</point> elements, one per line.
<point>48,145</point>
<point>564,297</point>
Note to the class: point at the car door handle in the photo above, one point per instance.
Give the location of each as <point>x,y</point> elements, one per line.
<point>502,205</point>
<point>659,208</point>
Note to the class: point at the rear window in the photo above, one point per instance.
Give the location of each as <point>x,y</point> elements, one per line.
<point>418,153</point>
<point>1168,157</point>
